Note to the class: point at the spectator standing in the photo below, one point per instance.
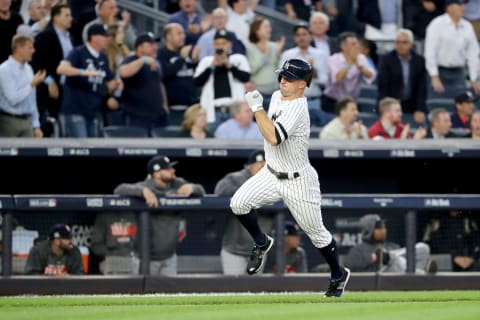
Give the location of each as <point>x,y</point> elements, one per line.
<point>417,15</point>
<point>301,9</point>
<point>107,14</point>
<point>319,26</point>
<point>241,125</point>
<point>450,44</point>
<point>346,71</point>
<point>440,124</point>
<point>36,20</point>
<point>402,75</point>
<point>472,14</point>
<point>18,102</point>
<point>345,125</point>
<point>240,16</point>
<point>9,22</point>
<point>319,61</point>
<point>222,78</point>
<point>144,101</point>
<point>295,255</point>
<point>194,123</point>
<point>177,67</point>
<point>237,242</point>
<point>377,254</point>
<point>55,256</point>
<point>114,235</point>
<point>88,79</point>
<point>263,55</point>
<point>204,46</point>
<point>390,125</point>
<point>165,226</point>
<point>194,23</point>
<point>51,47</point>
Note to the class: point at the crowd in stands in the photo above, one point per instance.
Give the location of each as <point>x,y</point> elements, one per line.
<point>72,68</point>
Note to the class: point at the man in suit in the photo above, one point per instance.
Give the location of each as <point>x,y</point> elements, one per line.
<point>440,124</point>
<point>51,46</point>
<point>402,75</point>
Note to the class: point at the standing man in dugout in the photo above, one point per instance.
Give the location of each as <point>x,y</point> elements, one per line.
<point>165,227</point>
<point>56,256</point>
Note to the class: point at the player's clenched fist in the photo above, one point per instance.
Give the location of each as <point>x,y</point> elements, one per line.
<point>254,100</point>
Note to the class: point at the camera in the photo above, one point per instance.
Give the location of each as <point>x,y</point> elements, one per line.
<point>219,52</point>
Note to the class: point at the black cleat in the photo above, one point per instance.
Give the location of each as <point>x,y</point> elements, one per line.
<point>336,287</point>
<point>256,260</point>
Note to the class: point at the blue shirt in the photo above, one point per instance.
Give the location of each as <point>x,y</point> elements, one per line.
<point>84,95</point>
<point>405,63</point>
<point>16,93</point>
<point>231,129</point>
<point>66,44</point>
<point>182,18</point>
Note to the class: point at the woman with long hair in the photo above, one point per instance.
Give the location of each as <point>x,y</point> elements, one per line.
<point>194,123</point>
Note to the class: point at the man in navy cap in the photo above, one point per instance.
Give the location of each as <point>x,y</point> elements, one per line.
<point>144,101</point>
<point>88,78</point>
<point>167,227</point>
<point>56,256</point>
<point>464,107</point>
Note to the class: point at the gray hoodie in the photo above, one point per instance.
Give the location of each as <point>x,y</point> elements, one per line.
<point>164,224</point>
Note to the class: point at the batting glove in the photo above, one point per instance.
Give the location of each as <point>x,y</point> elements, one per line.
<point>254,100</point>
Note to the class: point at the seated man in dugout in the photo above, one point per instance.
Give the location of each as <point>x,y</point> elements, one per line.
<point>56,256</point>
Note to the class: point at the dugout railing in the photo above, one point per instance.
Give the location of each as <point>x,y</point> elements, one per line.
<point>410,203</point>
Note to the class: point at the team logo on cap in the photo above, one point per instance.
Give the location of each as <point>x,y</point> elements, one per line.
<point>286,65</point>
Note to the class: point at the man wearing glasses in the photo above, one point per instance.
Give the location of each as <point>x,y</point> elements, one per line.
<point>402,75</point>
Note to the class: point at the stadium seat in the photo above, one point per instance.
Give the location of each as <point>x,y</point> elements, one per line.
<point>114,118</point>
<point>446,103</point>
<point>367,104</point>
<point>368,91</point>
<point>124,132</point>
<point>315,132</point>
<point>368,118</point>
<point>166,132</point>
<point>176,114</point>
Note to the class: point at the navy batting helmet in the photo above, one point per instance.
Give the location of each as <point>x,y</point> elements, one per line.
<point>296,69</point>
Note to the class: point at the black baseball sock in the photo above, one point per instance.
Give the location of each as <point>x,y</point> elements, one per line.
<point>250,222</point>
<point>330,254</point>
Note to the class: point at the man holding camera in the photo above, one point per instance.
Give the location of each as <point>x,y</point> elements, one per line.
<point>222,78</point>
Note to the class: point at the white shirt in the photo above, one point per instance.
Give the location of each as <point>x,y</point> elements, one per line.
<point>16,93</point>
<point>320,65</point>
<point>240,24</point>
<point>449,46</point>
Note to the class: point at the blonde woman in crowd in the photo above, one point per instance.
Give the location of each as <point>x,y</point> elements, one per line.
<point>116,50</point>
<point>263,55</point>
<point>475,125</point>
<point>194,123</point>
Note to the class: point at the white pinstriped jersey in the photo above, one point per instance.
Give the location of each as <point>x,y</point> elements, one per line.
<point>292,122</point>
<point>302,194</point>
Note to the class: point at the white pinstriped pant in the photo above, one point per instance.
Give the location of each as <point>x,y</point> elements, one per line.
<point>302,196</point>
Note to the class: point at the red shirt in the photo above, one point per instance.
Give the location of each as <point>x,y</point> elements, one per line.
<point>377,129</point>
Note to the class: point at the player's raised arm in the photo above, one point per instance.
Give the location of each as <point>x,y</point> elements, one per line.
<point>266,126</point>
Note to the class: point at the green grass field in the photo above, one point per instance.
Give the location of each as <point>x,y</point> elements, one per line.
<point>387,305</point>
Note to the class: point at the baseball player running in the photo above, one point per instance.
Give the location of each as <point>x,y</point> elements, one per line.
<point>288,174</point>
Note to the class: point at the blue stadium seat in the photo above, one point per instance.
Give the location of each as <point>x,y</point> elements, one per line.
<point>446,103</point>
<point>176,114</point>
<point>368,118</point>
<point>124,132</point>
<point>368,91</point>
<point>166,132</point>
<point>367,105</point>
<point>114,118</point>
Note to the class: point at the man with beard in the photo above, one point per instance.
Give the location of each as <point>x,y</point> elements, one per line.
<point>56,256</point>
<point>390,125</point>
<point>166,229</point>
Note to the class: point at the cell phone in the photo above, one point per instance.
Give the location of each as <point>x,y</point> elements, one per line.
<point>219,51</point>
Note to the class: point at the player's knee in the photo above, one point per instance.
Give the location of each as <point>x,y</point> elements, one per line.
<point>239,207</point>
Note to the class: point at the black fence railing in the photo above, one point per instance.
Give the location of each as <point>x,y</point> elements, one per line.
<point>411,203</point>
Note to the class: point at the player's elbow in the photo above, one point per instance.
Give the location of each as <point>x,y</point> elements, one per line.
<point>272,140</point>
